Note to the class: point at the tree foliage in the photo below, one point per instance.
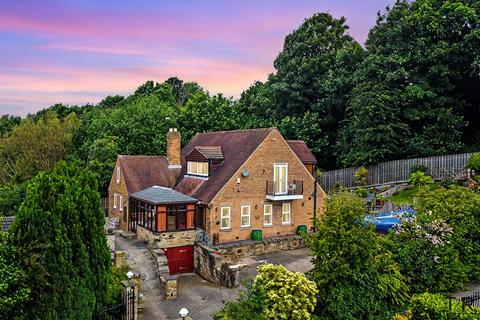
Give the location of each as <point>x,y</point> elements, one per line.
<point>413,92</point>
<point>355,276</point>
<point>60,221</point>
<point>35,146</point>
<point>276,294</point>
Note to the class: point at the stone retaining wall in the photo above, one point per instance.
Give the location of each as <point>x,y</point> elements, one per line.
<point>167,239</point>
<point>215,268</point>
<point>237,250</point>
<point>217,263</point>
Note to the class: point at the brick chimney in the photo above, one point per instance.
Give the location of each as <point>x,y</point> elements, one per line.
<point>173,148</point>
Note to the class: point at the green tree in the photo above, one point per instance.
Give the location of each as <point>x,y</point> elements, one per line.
<point>203,113</point>
<point>313,74</point>
<point>460,209</point>
<point>61,221</point>
<point>11,197</point>
<point>35,146</point>
<point>355,276</point>
<point>422,59</point>
<point>7,122</point>
<point>14,292</point>
<point>102,156</point>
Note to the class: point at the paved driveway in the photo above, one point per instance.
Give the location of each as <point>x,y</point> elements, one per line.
<point>200,297</point>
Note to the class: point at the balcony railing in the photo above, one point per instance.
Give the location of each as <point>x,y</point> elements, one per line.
<point>281,191</point>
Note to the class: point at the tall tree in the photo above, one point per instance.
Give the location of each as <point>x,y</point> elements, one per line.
<point>204,113</point>
<point>314,73</point>
<point>34,146</point>
<point>61,221</point>
<point>424,54</point>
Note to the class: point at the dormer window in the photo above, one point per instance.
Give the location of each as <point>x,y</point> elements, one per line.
<point>197,168</point>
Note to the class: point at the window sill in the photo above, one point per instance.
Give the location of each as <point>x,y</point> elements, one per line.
<point>287,224</point>
<point>245,228</point>
<point>226,230</point>
<point>268,225</point>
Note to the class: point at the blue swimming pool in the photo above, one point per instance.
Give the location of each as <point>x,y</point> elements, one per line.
<point>386,221</point>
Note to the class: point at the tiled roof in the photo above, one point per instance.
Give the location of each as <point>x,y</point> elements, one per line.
<point>6,222</point>
<point>236,147</point>
<point>211,152</point>
<point>141,172</point>
<point>189,185</point>
<point>162,195</point>
<point>302,151</point>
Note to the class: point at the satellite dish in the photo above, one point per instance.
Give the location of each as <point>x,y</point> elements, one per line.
<point>292,187</point>
<point>245,172</point>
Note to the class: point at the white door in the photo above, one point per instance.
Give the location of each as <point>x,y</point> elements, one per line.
<point>280,174</point>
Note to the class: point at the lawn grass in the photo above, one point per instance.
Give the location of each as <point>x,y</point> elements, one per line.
<point>406,196</point>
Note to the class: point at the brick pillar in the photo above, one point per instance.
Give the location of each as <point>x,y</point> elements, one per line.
<point>173,147</point>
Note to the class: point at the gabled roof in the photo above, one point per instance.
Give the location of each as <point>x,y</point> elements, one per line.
<point>141,172</point>
<point>236,147</point>
<point>300,148</point>
<point>162,195</point>
<point>211,152</point>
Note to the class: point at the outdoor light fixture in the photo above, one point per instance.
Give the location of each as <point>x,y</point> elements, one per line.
<point>129,275</point>
<point>183,313</point>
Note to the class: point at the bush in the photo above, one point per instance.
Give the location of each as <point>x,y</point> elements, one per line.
<point>427,306</point>
<point>361,176</point>
<point>420,179</point>
<point>474,162</point>
<point>248,306</point>
<point>276,294</point>
<point>361,192</point>
<point>428,259</point>
<point>419,168</point>
<point>460,209</point>
<point>355,277</point>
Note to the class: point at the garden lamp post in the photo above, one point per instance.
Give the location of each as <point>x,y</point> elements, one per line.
<point>183,313</point>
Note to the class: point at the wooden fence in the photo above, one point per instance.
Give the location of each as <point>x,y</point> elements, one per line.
<point>398,171</point>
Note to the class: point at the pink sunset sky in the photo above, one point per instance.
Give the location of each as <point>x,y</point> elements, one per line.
<point>78,52</point>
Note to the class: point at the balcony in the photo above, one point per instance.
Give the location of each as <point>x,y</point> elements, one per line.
<point>278,192</point>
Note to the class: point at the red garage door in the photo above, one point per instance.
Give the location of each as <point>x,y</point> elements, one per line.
<point>180,259</point>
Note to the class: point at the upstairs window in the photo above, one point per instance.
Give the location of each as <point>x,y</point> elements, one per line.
<point>118,175</point>
<point>197,168</point>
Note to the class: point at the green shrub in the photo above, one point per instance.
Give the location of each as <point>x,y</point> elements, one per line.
<point>474,162</point>
<point>361,192</point>
<point>420,179</point>
<point>460,209</point>
<point>427,259</point>
<point>355,277</point>
<point>361,176</point>
<point>427,306</point>
<point>419,168</point>
<point>276,293</point>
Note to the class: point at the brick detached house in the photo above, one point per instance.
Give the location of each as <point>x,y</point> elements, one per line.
<point>219,188</point>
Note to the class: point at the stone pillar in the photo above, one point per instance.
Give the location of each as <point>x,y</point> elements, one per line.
<point>120,259</point>
<point>170,287</point>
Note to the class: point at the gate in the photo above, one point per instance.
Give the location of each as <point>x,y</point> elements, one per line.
<point>180,259</point>
<point>123,310</point>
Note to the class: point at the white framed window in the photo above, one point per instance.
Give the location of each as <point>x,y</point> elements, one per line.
<point>197,168</point>
<point>267,215</point>
<point>118,175</point>
<point>121,202</point>
<point>280,178</point>
<point>225,218</point>
<point>245,216</point>
<point>286,213</point>
<point>114,201</point>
